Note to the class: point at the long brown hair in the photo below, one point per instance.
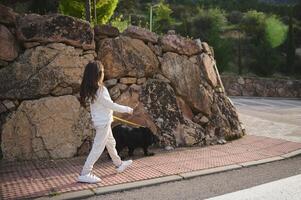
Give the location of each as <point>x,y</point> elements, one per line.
<point>89,85</point>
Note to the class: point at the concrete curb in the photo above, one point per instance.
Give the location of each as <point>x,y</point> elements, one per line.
<point>209,171</point>
<point>137,184</point>
<point>263,161</point>
<point>70,195</point>
<point>292,154</point>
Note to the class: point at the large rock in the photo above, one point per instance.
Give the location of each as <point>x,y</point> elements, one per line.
<point>155,48</point>
<point>8,47</point>
<point>55,28</point>
<point>53,69</point>
<point>207,49</point>
<point>7,15</point>
<point>155,106</point>
<point>140,116</point>
<point>224,122</point>
<point>104,31</point>
<point>141,34</point>
<point>189,134</point>
<point>52,127</point>
<point>185,78</point>
<point>124,56</point>
<point>162,106</point>
<point>159,100</point>
<point>208,70</point>
<point>3,63</point>
<point>185,109</point>
<point>180,45</point>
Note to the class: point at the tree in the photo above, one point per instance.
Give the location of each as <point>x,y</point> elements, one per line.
<point>290,51</point>
<point>128,7</point>
<point>88,10</point>
<point>44,6</point>
<point>120,23</point>
<point>253,25</point>
<point>296,10</point>
<point>73,8</point>
<point>267,33</point>
<point>183,15</point>
<point>275,31</point>
<point>103,9</point>
<point>162,17</point>
<point>208,24</point>
<point>235,17</point>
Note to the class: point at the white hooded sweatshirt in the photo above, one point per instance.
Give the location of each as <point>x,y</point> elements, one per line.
<point>102,108</point>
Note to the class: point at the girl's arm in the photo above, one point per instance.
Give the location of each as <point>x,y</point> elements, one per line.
<point>106,101</point>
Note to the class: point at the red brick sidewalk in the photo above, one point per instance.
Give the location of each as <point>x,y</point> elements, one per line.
<point>30,179</point>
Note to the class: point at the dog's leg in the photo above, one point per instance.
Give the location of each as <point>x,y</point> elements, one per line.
<point>131,151</point>
<point>119,150</point>
<point>146,153</point>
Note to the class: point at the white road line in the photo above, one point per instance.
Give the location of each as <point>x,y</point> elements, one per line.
<point>287,188</point>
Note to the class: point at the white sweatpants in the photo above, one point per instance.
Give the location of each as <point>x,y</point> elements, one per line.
<point>103,138</point>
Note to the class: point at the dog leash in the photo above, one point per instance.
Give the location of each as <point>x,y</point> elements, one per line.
<point>128,122</point>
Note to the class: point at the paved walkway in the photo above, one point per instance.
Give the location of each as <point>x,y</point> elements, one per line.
<point>274,134</point>
<point>37,178</point>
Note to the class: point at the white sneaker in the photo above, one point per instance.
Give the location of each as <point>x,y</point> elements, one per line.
<point>88,178</point>
<point>124,165</point>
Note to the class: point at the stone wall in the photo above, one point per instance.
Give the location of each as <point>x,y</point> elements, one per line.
<point>170,81</point>
<point>42,59</point>
<point>261,87</point>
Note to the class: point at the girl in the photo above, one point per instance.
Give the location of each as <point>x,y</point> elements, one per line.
<point>102,107</point>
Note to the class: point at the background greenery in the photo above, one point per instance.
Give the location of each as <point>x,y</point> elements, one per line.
<point>254,37</point>
<point>249,36</point>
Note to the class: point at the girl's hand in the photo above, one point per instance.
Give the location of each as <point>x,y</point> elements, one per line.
<point>131,110</point>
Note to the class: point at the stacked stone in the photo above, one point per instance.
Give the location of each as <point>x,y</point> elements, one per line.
<point>170,81</point>
<point>261,87</point>
<point>42,62</point>
<point>173,84</point>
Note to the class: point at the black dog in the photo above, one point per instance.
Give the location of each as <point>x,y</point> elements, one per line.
<point>133,138</point>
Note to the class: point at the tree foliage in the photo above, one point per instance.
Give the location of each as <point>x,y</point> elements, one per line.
<point>120,23</point>
<point>253,24</point>
<point>266,33</point>
<point>208,24</point>
<point>264,44</point>
<point>275,31</point>
<point>290,47</point>
<point>76,8</point>
<point>162,17</point>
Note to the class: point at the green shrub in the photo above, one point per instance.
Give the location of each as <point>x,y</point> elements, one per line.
<point>162,17</point>
<point>275,31</point>
<point>120,23</point>
<point>266,33</point>
<point>76,8</point>
<point>208,26</point>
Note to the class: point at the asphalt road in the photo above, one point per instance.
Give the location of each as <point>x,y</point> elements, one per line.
<point>212,185</point>
<point>283,189</point>
<point>276,118</point>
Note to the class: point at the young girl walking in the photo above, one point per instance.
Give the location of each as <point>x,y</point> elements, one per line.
<point>94,92</point>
